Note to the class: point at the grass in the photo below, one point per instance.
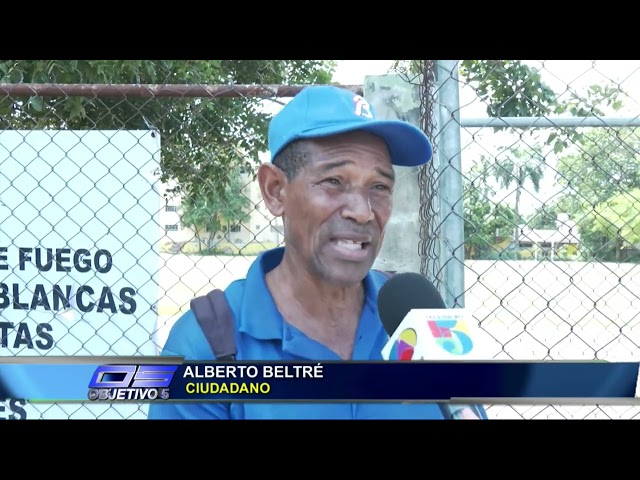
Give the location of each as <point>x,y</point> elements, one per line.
<point>225,248</point>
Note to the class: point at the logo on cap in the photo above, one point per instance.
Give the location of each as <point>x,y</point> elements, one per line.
<point>362,107</point>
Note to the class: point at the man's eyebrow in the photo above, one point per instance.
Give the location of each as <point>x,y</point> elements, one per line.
<point>340,163</point>
<point>325,167</point>
<point>385,173</point>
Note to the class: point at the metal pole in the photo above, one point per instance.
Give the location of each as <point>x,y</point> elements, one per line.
<point>450,187</point>
<point>155,90</point>
<point>550,122</point>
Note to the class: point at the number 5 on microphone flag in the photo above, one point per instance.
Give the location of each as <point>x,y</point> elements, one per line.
<point>436,334</point>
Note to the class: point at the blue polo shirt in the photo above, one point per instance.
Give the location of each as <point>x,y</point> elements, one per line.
<point>262,334</point>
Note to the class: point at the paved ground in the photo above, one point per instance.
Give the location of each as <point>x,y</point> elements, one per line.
<point>530,310</point>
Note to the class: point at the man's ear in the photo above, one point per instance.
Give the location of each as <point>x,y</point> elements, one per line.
<point>272,183</point>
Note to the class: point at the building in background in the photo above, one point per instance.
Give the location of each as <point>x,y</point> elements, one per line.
<point>259,231</point>
<point>563,240</point>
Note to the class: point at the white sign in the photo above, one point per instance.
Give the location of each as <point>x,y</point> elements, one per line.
<point>79,242</point>
<point>436,334</point>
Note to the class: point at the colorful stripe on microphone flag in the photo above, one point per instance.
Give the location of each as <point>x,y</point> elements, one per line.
<point>142,380</point>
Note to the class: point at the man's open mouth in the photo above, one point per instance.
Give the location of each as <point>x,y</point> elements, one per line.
<point>351,244</point>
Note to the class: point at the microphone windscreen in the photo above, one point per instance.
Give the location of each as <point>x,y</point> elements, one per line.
<point>405,292</point>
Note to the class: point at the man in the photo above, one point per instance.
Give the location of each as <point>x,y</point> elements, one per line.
<point>331,179</point>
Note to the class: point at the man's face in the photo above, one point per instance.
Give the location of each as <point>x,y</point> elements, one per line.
<point>337,207</point>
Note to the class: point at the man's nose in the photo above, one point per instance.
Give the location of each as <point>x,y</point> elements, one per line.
<point>358,207</point>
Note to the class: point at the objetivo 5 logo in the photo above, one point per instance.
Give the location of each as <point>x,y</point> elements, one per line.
<point>111,383</point>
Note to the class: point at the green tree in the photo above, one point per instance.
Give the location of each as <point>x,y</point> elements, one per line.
<point>607,166</point>
<point>517,168</point>
<point>607,163</point>
<point>545,216</point>
<point>485,221</point>
<point>207,212</point>
<point>510,88</point>
<point>201,138</point>
<point>618,220</point>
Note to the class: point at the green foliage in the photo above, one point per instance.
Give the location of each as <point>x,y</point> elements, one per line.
<point>606,164</point>
<point>510,88</point>
<point>485,222</point>
<point>619,217</point>
<point>545,217</point>
<point>207,211</point>
<point>517,167</point>
<point>201,138</point>
<point>595,183</point>
<point>601,165</point>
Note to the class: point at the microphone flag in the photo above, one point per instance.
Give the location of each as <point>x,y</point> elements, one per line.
<point>440,335</point>
<point>436,334</point>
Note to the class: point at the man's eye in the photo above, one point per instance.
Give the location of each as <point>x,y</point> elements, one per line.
<point>332,181</point>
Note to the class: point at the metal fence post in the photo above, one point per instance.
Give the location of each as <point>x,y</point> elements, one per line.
<point>449,190</point>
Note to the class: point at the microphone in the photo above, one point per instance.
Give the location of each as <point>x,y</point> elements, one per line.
<point>403,294</point>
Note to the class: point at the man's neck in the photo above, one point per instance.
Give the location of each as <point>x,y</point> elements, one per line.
<point>327,313</point>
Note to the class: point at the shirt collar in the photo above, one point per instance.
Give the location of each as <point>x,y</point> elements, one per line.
<point>259,316</point>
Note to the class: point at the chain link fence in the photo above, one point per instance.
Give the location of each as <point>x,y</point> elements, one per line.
<point>119,202</point>
<point>546,155</point>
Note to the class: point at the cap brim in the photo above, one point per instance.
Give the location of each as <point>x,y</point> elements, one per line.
<point>408,145</point>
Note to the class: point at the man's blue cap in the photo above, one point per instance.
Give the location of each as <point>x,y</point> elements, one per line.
<point>321,111</point>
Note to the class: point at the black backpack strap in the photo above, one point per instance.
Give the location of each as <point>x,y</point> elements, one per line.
<point>216,321</point>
